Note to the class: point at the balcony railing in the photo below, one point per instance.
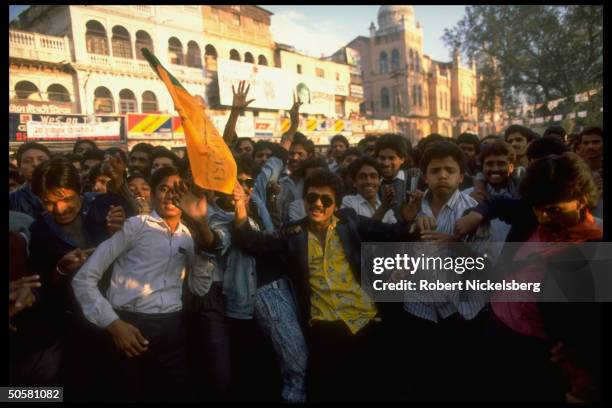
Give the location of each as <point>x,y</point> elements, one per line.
<point>142,67</point>
<point>38,47</point>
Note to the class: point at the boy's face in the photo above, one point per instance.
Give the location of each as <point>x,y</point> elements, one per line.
<point>559,216</point>
<point>320,204</point>
<point>88,164</point>
<point>160,162</point>
<point>497,169</point>
<point>443,176</point>
<point>518,142</point>
<point>30,159</point>
<point>390,162</point>
<point>63,204</point>
<point>348,159</point>
<point>367,182</point>
<point>469,150</point>
<point>245,147</point>
<point>140,188</point>
<point>100,184</point>
<point>162,198</point>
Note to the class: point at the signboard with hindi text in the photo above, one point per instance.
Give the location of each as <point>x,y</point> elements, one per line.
<point>71,131</point>
<point>19,132</point>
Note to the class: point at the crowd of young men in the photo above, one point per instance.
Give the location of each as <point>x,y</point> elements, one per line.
<point>128,282</point>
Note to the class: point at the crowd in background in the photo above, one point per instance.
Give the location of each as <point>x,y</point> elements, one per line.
<point>130,282</point>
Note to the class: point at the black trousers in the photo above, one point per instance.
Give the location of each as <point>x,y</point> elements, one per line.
<point>344,366</point>
<point>162,372</point>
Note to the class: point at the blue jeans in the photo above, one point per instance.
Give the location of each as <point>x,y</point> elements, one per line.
<point>276,314</point>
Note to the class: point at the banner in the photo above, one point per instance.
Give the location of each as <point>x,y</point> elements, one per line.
<point>356,91</point>
<point>18,124</point>
<point>69,131</point>
<point>265,127</point>
<point>149,126</point>
<point>44,108</point>
<point>244,125</point>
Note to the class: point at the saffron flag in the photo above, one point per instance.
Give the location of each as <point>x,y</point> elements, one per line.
<point>212,164</point>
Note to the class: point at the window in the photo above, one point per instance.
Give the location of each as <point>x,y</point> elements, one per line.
<point>175,51</point>
<point>210,57</point>
<point>395,60</point>
<point>261,60</point>
<point>57,93</point>
<point>234,55</point>
<point>103,100</point>
<point>149,102</point>
<point>121,43</point>
<point>384,98</point>
<point>95,38</point>
<point>299,69</point>
<point>127,101</point>
<point>384,64</point>
<point>320,72</point>
<point>143,40</point>
<point>27,90</point>
<point>248,57</point>
<point>194,55</point>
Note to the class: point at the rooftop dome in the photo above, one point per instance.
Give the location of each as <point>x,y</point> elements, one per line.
<point>389,16</point>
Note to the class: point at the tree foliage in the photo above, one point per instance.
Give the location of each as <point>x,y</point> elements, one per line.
<point>535,52</point>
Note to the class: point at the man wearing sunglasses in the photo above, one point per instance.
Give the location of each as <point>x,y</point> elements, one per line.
<point>322,255</point>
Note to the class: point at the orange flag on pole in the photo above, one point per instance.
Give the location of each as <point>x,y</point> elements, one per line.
<point>212,164</point>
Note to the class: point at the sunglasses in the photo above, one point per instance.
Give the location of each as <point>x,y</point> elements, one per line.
<point>326,200</point>
<point>248,183</point>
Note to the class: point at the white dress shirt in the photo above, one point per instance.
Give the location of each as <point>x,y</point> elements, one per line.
<point>149,266</point>
<point>363,207</point>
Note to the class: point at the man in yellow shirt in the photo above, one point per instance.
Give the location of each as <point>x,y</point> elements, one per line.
<point>340,320</point>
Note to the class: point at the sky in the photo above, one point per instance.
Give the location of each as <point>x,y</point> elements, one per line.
<point>317,30</point>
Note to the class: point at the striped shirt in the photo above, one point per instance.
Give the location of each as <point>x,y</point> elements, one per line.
<point>421,304</point>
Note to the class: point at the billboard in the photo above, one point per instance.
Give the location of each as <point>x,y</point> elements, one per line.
<point>149,126</point>
<point>24,127</point>
<point>273,88</point>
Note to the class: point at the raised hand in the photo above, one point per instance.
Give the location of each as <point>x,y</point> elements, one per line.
<point>294,112</point>
<point>388,200</point>
<point>114,167</point>
<point>191,205</point>
<point>412,205</point>
<point>115,218</point>
<point>239,101</point>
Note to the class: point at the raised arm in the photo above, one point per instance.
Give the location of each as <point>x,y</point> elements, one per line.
<point>294,114</point>
<point>239,104</point>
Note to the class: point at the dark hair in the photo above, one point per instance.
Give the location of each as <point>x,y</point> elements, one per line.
<point>143,147</point>
<point>355,166</point>
<point>339,138</point>
<point>73,157</point>
<point>82,141</point>
<point>262,144</point>
<point>55,173</point>
<point>544,147</point>
<point>30,146</point>
<point>135,175</point>
<point>365,140</point>
<point>397,143</point>
<point>591,130</point>
<point>162,173</point>
<point>524,131</point>
<point>94,154</point>
<point>94,173</point>
<point>161,151</point>
<point>114,150</point>
<point>325,178</point>
<point>310,163</point>
<point>300,139</point>
<point>15,175</point>
<point>245,164</point>
<point>498,148</point>
<point>441,149</point>
<point>351,151</point>
<point>469,138</point>
<point>243,139</point>
<point>555,130</point>
<point>554,179</point>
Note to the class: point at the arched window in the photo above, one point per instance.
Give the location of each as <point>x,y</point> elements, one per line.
<point>57,93</point>
<point>27,90</point>
<point>149,102</point>
<point>103,100</point>
<point>411,60</point>
<point>122,45</point>
<point>417,61</point>
<point>395,60</point>
<point>127,101</point>
<point>175,51</point>
<point>194,55</point>
<point>95,38</point>
<point>384,64</point>
<point>248,57</point>
<point>143,40</point>
<point>384,98</point>
<point>261,60</point>
<point>235,55</point>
